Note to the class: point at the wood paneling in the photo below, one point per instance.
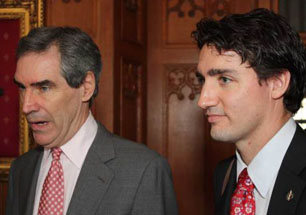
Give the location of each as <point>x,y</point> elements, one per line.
<point>82,14</point>
<point>104,103</point>
<point>132,22</point>
<point>130,69</point>
<point>183,130</point>
<point>132,100</point>
<point>175,123</point>
<point>179,19</point>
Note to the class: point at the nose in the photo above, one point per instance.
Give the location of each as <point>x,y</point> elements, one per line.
<point>208,97</point>
<point>28,100</point>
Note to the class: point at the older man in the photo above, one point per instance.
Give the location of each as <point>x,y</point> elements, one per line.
<point>78,168</point>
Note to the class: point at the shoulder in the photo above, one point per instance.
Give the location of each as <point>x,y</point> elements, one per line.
<point>128,148</point>
<point>25,164</point>
<point>295,158</point>
<point>28,158</point>
<point>300,136</point>
<point>128,153</point>
<point>221,169</point>
<point>137,154</point>
<point>223,165</point>
<point>220,173</point>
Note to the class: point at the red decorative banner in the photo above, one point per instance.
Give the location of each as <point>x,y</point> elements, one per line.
<point>9,97</point>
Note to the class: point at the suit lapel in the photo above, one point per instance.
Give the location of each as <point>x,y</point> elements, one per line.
<point>95,177</point>
<point>288,180</point>
<point>28,181</point>
<point>223,207</point>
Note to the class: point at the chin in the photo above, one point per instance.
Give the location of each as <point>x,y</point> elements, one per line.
<point>43,142</point>
<point>221,135</point>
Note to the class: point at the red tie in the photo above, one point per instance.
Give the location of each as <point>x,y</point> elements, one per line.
<point>52,196</point>
<point>243,201</point>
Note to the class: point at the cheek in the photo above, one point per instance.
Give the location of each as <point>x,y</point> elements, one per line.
<point>63,105</point>
<point>237,105</point>
<point>251,103</point>
<point>72,103</point>
<point>65,113</point>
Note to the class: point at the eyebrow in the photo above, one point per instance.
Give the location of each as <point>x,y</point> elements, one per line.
<point>20,85</point>
<point>213,72</point>
<point>36,84</point>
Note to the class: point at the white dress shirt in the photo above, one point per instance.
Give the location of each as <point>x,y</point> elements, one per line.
<point>264,168</point>
<point>72,159</point>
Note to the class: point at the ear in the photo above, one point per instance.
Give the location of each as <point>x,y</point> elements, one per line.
<point>279,84</point>
<point>89,85</point>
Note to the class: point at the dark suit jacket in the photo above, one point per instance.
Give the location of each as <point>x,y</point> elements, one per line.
<point>118,177</point>
<point>291,176</point>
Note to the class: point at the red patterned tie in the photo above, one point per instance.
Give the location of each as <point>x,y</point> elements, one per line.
<point>243,201</point>
<point>52,196</point>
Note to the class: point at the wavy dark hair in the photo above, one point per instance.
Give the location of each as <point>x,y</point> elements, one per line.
<point>79,53</point>
<point>266,41</point>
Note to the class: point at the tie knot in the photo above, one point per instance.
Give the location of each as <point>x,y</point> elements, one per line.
<point>56,153</point>
<point>245,181</point>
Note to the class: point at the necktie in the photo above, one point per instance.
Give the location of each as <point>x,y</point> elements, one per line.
<point>243,201</point>
<point>52,196</point>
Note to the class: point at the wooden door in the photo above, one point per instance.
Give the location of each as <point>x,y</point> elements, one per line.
<point>130,69</point>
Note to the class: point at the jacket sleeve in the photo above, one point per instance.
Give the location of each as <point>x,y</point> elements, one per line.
<point>155,194</point>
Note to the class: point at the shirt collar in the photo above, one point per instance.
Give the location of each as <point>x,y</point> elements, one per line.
<point>264,168</point>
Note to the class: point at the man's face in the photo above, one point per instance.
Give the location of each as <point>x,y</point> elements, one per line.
<point>52,108</point>
<point>235,103</point>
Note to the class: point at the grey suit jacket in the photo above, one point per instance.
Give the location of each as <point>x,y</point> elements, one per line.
<point>291,176</point>
<point>118,177</point>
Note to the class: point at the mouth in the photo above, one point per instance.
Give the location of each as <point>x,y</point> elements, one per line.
<point>213,118</point>
<point>38,125</point>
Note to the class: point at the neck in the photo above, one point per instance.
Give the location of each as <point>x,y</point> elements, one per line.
<point>249,147</point>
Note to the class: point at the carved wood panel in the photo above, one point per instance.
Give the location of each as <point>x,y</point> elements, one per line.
<point>130,69</point>
<point>131,100</point>
<point>219,8</point>
<point>132,21</point>
<point>82,14</point>
<point>180,76</point>
<point>179,19</point>
<point>183,135</point>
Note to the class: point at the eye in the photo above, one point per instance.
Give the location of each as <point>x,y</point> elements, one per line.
<point>21,88</point>
<point>200,78</point>
<point>45,88</point>
<point>225,80</point>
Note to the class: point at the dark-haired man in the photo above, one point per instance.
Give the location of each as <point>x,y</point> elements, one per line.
<point>253,69</point>
<point>78,168</point>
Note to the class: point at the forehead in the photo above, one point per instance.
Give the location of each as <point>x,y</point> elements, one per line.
<point>211,58</point>
<point>39,66</point>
